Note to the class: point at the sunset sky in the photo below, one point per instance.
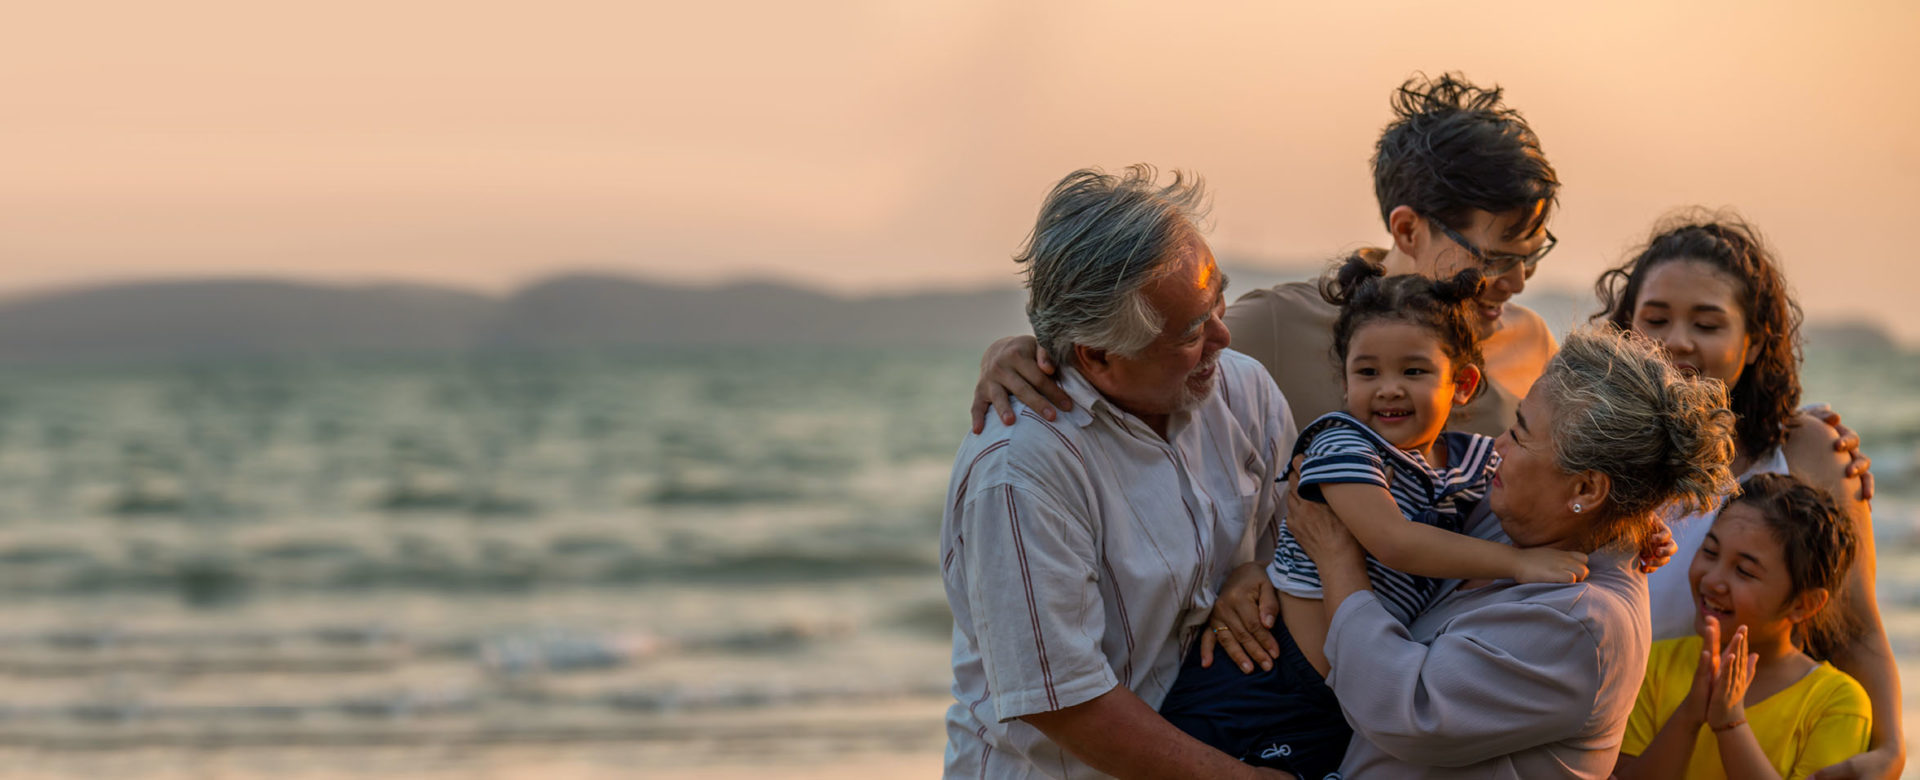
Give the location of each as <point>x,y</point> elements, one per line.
<point>886,146</point>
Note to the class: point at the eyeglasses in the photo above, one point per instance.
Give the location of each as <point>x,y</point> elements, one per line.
<point>1499,263</point>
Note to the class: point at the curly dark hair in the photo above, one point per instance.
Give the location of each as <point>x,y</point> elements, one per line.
<point>1452,148</point>
<point>1819,543</point>
<point>1364,293</point>
<point>1768,392</point>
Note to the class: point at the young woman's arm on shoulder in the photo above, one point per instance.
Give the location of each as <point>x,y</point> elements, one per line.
<point>1868,657</point>
<point>1842,440</point>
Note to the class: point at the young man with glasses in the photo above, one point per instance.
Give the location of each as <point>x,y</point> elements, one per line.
<point>1461,183</point>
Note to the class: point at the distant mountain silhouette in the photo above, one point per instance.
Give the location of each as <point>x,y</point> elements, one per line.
<point>248,318</point>
<point>578,311</point>
<point>1853,335</point>
<point>217,318</point>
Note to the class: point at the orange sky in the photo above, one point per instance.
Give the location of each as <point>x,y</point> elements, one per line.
<point>865,146</point>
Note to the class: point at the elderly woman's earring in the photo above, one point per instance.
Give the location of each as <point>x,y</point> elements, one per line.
<point>1577,507</point>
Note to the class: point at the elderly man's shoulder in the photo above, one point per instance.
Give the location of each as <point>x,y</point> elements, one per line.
<point>1032,444</point>
<point>1035,446</point>
<point>1036,456</point>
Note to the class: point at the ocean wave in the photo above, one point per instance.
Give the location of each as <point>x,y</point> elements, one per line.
<point>365,652</point>
<point>768,716</point>
<point>427,705</point>
<point>740,491</point>
<point>212,576</point>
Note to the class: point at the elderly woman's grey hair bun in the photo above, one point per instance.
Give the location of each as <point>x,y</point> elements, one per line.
<point>1624,411</point>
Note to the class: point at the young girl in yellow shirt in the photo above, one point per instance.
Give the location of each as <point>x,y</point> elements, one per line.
<point>1760,707</point>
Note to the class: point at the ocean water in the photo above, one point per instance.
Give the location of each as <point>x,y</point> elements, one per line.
<point>468,566</point>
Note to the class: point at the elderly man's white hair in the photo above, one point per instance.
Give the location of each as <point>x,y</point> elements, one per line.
<point>1100,240</point>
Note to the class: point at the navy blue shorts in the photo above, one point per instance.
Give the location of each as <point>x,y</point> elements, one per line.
<point>1286,718</point>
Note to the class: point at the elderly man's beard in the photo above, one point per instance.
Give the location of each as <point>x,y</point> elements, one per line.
<point>1195,389</point>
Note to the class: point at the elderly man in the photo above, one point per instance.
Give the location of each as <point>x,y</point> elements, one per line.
<point>1081,556</point>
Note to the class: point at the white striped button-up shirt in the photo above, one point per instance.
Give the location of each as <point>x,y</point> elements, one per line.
<point>1084,554</point>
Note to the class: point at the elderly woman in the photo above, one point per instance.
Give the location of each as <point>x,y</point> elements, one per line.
<point>1526,681</point>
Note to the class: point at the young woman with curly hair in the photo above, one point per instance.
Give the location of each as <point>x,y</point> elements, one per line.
<point>1710,291</point>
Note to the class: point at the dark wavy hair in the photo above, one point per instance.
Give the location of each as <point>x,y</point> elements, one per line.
<point>1453,147</point>
<point>1768,392</point>
<point>1819,544</point>
<point>1364,293</point>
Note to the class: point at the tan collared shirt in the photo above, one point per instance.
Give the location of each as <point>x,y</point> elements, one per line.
<point>1084,554</point>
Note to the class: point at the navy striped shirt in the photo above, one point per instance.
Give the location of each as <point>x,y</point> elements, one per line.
<point>1340,449</point>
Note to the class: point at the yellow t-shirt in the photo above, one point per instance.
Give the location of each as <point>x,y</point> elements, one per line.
<point>1821,720</point>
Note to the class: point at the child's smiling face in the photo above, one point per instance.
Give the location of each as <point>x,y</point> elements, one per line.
<point>1402,384</point>
<point>1740,576</point>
